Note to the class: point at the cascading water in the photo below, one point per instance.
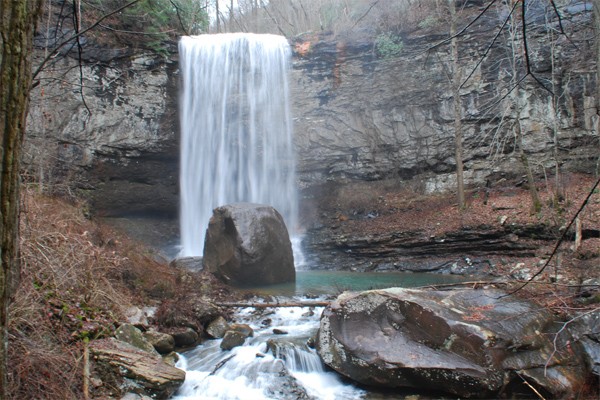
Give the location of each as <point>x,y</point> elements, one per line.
<point>259,371</point>
<point>236,129</point>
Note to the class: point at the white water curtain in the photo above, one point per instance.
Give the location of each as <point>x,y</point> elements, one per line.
<point>236,129</point>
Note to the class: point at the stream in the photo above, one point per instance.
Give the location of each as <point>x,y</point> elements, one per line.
<point>253,371</point>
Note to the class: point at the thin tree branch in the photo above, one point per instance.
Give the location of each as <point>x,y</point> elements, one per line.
<point>560,240</point>
<point>60,16</point>
<point>77,25</point>
<point>272,18</point>
<point>539,395</point>
<point>491,105</point>
<point>489,48</point>
<point>557,334</point>
<point>136,32</point>
<point>179,18</point>
<point>459,33</point>
<point>526,48</point>
<point>281,14</point>
<point>560,25</point>
<point>81,33</point>
<point>367,13</point>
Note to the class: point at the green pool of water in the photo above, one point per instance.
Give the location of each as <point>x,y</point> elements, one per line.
<point>335,282</point>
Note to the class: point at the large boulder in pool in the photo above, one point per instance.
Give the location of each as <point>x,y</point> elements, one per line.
<point>248,245</point>
<point>472,343</point>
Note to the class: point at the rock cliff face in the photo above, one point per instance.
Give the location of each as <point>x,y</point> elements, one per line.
<point>113,130</point>
<point>110,130</point>
<point>363,116</point>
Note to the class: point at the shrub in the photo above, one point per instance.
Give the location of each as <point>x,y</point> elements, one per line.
<point>388,45</point>
<point>72,290</point>
<point>428,22</point>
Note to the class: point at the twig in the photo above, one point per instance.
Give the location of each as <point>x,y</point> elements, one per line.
<point>561,330</point>
<point>220,365</point>
<point>560,240</point>
<point>273,19</point>
<point>490,45</point>
<point>366,13</point>
<point>531,387</point>
<point>526,49</point>
<point>459,33</point>
<point>179,18</point>
<point>468,283</point>
<point>137,32</point>
<point>77,35</point>
<point>77,24</point>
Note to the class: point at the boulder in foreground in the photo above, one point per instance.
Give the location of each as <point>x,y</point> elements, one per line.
<point>472,343</point>
<point>248,245</point>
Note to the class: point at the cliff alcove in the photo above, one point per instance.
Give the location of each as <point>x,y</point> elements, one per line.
<point>362,119</point>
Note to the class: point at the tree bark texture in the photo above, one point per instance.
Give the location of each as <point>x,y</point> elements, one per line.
<point>18,18</point>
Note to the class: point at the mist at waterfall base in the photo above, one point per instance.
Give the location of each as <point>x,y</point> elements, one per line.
<point>236,129</point>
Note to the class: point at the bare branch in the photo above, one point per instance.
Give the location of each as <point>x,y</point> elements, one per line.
<point>490,46</point>
<point>139,33</point>
<point>563,327</point>
<point>273,19</point>
<point>560,25</point>
<point>463,30</point>
<point>526,48</point>
<point>79,34</point>
<point>77,25</point>
<point>366,13</point>
<point>538,394</point>
<point>560,240</point>
<point>179,18</point>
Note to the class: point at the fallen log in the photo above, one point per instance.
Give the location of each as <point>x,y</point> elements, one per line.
<point>275,305</point>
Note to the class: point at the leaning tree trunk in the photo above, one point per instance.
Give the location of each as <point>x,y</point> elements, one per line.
<point>18,19</point>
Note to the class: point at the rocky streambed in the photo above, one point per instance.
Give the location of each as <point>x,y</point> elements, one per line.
<point>472,343</point>
<point>477,341</point>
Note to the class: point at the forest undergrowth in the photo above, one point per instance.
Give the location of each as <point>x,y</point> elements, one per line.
<point>78,280</point>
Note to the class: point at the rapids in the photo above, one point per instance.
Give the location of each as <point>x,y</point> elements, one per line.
<point>253,372</point>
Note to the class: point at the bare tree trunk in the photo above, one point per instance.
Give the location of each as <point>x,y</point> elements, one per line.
<point>456,73</point>
<point>18,20</point>
<point>578,233</point>
<point>536,205</point>
<point>218,16</point>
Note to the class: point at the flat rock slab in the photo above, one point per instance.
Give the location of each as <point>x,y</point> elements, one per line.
<point>135,370</point>
<point>473,343</point>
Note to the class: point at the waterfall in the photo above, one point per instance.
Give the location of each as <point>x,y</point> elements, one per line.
<point>236,129</point>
